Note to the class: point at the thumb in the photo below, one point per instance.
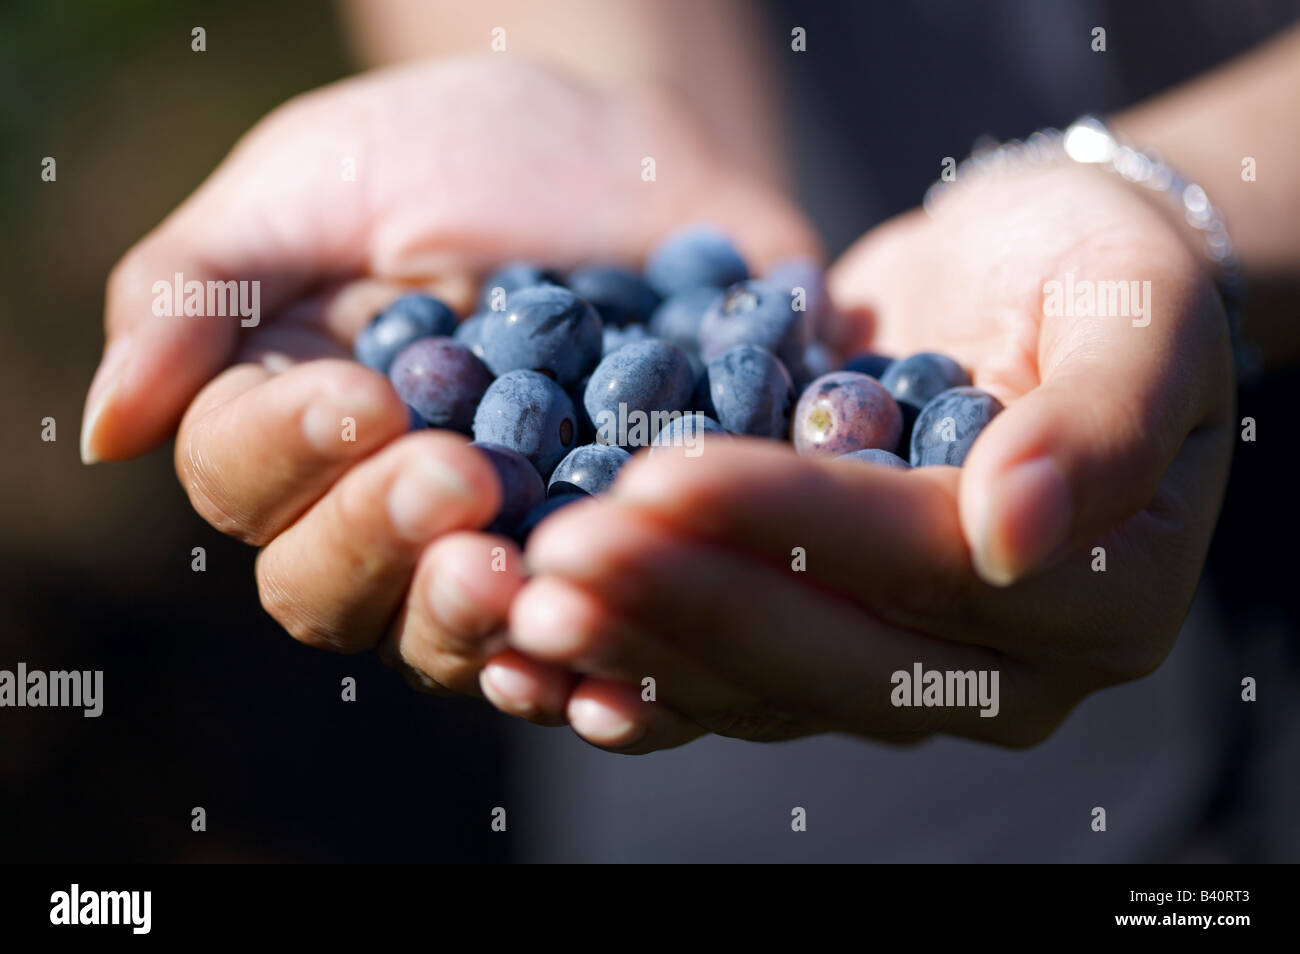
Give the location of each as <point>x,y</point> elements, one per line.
<point>1090,446</point>
<point>249,240</point>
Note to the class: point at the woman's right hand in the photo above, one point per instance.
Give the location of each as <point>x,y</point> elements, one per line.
<point>369,532</point>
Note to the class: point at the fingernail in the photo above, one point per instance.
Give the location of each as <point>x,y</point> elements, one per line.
<point>419,498</point>
<point>451,607</point>
<point>510,690</point>
<point>602,725</point>
<point>1028,519</point>
<point>331,426</point>
<point>544,629</point>
<point>107,377</point>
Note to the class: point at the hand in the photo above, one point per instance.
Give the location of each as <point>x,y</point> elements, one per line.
<point>458,166</point>
<point>1114,436</point>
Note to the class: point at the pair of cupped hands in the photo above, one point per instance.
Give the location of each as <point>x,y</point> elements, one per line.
<point>767,596</point>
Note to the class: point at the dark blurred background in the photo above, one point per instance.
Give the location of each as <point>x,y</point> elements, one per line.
<point>207,703</point>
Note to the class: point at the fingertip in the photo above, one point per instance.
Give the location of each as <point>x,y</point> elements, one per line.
<point>615,717</point>
<point>608,714</point>
<point>527,688</point>
<point>553,620</point>
<point>471,577</point>
<point>1016,519</point>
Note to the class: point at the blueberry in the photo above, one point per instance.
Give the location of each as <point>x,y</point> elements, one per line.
<point>806,280</point>
<point>529,413</point>
<point>634,390</point>
<point>750,392</point>
<point>843,412</point>
<point>494,295</point>
<point>406,320</point>
<point>688,431</point>
<point>588,469</point>
<point>678,319</point>
<point>881,458</point>
<point>521,486</point>
<point>539,513</point>
<point>692,257</point>
<point>756,313</point>
<point>470,333</point>
<point>442,380</point>
<point>619,295</point>
<point>868,362</point>
<point>417,423</point>
<point>586,429</point>
<point>948,425</point>
<point>615,337</point>
<point>818,359</point>
<point>916,379</point>
<point>545,328</point>
<point>702,395</point>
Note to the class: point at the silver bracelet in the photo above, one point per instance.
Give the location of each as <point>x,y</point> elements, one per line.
<point>1087,140</point>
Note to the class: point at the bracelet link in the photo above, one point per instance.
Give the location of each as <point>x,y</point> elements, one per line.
<point>1089,141</point>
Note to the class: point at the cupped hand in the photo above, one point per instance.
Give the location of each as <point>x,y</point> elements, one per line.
<point>420,176</point>
<point>769,596</point>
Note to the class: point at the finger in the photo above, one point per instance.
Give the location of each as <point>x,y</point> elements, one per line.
<point>336,577</point>
<point>559,622</point>
<point>258,233</point>
<point>524,687</point>
<point>1091,444</point>
<point>255,450</point>
<point>454,614</point>
<point>613,716</point>
<point>818,663</point>
<point>890,540</point>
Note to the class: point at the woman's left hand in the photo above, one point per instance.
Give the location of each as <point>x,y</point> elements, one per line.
<point>769,596</point>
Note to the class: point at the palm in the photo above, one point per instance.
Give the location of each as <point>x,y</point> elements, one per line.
<point>1138,417</point>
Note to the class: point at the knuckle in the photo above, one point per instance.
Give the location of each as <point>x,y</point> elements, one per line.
<point>210,497</point>
<point>289,612</point>
<point>449,671</point>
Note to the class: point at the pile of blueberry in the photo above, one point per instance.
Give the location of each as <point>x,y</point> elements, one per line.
<point>558,379</point>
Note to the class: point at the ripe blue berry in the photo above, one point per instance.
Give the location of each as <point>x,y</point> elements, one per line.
<point>757,313</point>
<point>521,486</point>
<point>634,390</point>
<point>881,458</point>
<point>868,362</point>
<point>678,319</point>
<point>547,329</point>
<point>806,280</point>
<point>948,425</point>
<point>406,320</point>
<point>509,278</point>
<point>529,413</point>
<point>588,469</point>
<point>818,359</point>
<point>916,379</point>
<point>843,412</point>
<point>616,337</point>
<point>441,380</point>
<point>751,392</point>
<point>470,333</point>
<point>693,257</point>
<point>619,295</point>
<point>688,431</point>
<point>539,513</point>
